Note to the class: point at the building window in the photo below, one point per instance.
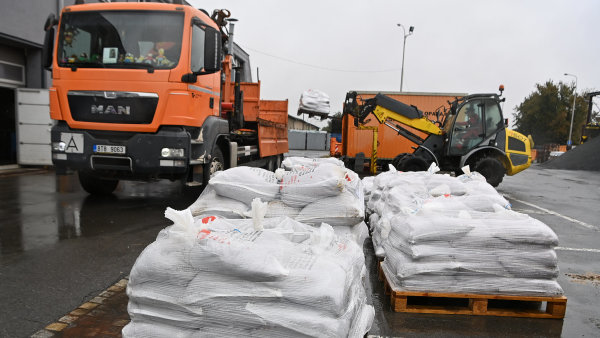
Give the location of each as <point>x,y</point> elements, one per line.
<point>12,73</point>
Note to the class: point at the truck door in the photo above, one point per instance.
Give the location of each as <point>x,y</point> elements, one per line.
<point>33,126</point>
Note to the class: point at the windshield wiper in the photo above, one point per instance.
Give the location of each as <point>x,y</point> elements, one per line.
<point>98,64</point>
<point>148,66</point>
<point>94,64</point>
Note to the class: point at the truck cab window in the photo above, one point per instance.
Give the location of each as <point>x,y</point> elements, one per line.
<point>197,62</point>
<point>120,39</point>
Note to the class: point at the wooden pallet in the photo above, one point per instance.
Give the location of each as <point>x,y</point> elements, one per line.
<point>472,304</point>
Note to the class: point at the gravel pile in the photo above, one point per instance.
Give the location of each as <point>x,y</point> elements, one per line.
<point>583,157</point>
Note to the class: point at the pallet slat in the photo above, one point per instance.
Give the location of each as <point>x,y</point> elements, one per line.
<point>478,305</point>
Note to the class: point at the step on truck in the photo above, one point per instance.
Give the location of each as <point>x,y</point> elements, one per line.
<point>148,91</point>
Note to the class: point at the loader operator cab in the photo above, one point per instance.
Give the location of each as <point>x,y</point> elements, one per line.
<point>476,121</point>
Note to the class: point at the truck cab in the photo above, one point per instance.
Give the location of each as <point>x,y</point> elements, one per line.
<point>142,91</point>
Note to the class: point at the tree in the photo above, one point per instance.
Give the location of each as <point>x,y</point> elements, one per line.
<point>334,125</point>
<point>546,114</point>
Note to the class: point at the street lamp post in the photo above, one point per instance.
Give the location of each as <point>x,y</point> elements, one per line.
<point>569,141</point>
<point>410,31</point>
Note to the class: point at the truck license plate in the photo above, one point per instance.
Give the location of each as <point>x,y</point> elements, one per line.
<point>105,149</point>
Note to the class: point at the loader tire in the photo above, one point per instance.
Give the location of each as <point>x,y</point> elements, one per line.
<point>397,160</point>
<point>97,186</point>
<point>492,169</point>
<point>412,163</point>
<point>217,162</point>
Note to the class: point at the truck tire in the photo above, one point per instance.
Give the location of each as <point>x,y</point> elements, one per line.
<point>492,169</point>
<point>217,162</point>
<point>96,186</point>
<point>412,163</point>
<point>271,163</point>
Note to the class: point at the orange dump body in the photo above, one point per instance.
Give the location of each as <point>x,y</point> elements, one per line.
<point>390,144</point>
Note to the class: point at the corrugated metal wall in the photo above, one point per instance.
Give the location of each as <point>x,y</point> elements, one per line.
<point>308,140</point>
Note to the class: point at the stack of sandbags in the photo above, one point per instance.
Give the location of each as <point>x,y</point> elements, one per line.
<point>445,234</point>
<point>396,193</point>
<point>242,278</point>
<point>311,192</point>
<point>500,252</point>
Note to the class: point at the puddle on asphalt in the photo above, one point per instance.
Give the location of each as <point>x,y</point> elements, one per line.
<point>589,277</point>
<point>42,210</point>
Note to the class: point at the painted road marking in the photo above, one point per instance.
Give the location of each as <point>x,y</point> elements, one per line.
<point>589,226</point>
<point>576,249</point>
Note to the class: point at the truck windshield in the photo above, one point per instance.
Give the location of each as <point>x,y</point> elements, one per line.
<point>120,39</point>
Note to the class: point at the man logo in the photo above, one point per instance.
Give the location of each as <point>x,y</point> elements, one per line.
<point>120,110</point>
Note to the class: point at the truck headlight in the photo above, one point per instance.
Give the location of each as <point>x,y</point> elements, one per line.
<point>171,152</point>
<point>59,146</point>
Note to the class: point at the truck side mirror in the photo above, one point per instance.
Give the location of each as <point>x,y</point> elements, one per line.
<point>506,123</point>
<point>48,47</point>
<point>212,50</point>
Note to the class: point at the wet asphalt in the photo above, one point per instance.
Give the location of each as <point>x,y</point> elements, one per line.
<point>60,247</point>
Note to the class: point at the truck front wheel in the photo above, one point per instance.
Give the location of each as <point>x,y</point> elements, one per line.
<point>216,163</point>
<point>492,169</point>
<point>96,186</point>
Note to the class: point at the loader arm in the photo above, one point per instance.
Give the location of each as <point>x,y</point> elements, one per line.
<point>393,114</point>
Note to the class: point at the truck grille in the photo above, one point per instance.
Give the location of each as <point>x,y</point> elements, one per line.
<point>112,107</point>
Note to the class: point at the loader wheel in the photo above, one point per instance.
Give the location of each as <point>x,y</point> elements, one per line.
<point>397,161</point>
<point>217,162</point>
<point>412,163</point>
<point>492,169</point>
<point>96,186</point>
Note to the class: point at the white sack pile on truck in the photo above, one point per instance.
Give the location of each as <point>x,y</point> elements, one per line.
<point>314,101</point>
<point>457,234</point>
<point>259,254</point>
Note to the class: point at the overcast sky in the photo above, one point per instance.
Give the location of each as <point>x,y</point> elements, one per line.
<point>457,46</point>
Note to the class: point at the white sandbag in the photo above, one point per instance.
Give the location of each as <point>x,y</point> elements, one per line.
<point>341,210</point>
<point>302,163</point>
<point>277,208</point>
<point>303,187</point>
<point>315,101</point>
<point>457,188</point>
<point>368,186</point>
<point>245,184</point>
<point>210,203</point>
<point>358,232</point>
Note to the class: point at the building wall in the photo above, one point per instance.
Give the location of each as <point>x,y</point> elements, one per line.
<point>298,124</point>
<point>22,36</point>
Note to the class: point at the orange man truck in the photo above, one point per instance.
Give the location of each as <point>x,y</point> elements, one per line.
<point>142,91</point>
